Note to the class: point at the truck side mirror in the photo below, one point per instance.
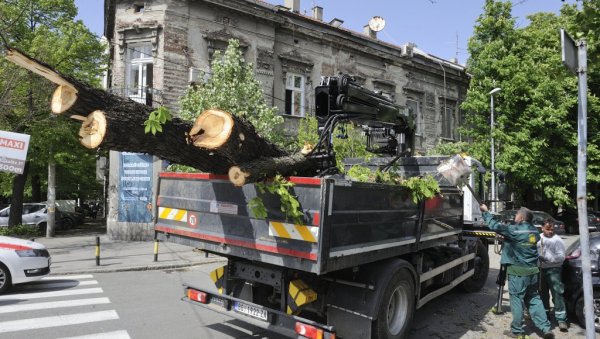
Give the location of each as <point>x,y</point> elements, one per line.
<point>503,193</point>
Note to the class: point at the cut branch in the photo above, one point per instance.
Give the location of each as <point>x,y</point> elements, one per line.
<point>231,136</point>
<point>296,164</point>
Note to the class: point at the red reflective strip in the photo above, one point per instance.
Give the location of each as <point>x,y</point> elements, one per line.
<point>305,180</point>
<point>204,176</point>
<point>15,247</point>
<point>266,248</point>
<point>316,219</point>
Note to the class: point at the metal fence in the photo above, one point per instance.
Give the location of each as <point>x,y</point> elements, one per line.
<point>144,95</point>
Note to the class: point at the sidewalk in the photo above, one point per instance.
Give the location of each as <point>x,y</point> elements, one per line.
<point>74,252</point>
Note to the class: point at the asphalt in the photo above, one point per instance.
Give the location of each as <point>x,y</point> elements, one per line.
<point>74,252</point>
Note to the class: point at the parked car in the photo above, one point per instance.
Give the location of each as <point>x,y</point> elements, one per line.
<point>70,219</point>
<point>508,216</point>
<point>22,261</point>
<point>571,218</point>
<point>572,277</point>
<point>33,214</point>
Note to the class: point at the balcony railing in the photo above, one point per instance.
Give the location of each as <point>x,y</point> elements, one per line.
<point>144,95</point>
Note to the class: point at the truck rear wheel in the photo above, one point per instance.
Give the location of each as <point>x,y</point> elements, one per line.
<point>481,265</point>
<point>397,307</point>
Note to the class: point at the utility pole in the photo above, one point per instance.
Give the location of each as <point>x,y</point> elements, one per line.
<point>493,153</point>
<point>574,57</point>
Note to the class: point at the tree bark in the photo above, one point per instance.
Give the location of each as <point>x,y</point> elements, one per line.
<point>125,132</point>
<point>16,200</point>
<point>296,164</point>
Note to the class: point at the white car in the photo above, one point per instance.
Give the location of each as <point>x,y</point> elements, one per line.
<point>34,213</point>
<point>22,261</point>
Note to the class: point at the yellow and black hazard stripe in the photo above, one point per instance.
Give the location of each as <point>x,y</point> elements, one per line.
<point>484,234</point>
<point>172,214</point>
<point>293,231</point>
<point>218,277</point>
<point>299,294</point>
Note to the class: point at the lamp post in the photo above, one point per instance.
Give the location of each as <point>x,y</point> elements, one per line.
<point>495,90</point>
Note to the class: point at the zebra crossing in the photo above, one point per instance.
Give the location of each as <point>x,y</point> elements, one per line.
<point>57,304</point>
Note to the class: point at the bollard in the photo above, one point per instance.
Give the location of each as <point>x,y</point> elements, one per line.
<point>156,249</point>
<point>97,251</point>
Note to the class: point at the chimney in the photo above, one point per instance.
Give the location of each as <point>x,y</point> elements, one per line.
<point>369,32</point>
<point>318,13</point>
<point>294,5</point>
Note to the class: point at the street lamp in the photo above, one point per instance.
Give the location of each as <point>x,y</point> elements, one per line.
<point>495,90</point>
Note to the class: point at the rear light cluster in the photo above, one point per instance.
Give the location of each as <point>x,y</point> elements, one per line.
<point>312,332</point>
<point>197,296</point>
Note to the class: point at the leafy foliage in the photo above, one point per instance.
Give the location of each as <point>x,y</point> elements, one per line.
<point>233,88</point>
<point>21,231</point>
<point>422,188</point>
<point>536,110</point>
<point>280,187</point>
<point>156,120</point>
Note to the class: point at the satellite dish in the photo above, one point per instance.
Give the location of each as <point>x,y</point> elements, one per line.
<point>376,23</point>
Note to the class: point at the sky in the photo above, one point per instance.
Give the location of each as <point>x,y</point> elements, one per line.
<point>438,27</point>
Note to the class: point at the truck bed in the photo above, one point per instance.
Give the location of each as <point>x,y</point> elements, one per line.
<point>346,223</point>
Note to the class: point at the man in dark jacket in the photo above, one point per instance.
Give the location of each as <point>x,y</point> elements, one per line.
<point>520,255</point>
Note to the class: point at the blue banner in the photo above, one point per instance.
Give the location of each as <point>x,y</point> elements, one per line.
<point>135,188</point>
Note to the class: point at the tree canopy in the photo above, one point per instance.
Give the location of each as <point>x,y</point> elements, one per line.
<point>536,110</point>
<point>47,30</point>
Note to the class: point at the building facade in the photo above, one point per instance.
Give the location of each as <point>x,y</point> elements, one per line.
<point>159,47</point>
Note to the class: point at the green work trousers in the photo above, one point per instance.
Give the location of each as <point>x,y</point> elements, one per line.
<point>551,282</point>
<point>523,290</point>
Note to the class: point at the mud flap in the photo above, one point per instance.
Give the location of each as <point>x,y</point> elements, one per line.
<point>349,325</point>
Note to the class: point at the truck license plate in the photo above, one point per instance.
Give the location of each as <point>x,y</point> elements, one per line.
<point>250,310</point>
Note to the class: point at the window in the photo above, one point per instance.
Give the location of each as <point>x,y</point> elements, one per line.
<point>139,75</point>
<point>448,122</point>
<point>414,109</point>
<point>294,95</point>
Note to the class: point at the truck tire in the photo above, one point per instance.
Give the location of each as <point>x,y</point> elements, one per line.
<point>481,264</point>
<point>5,279</point>
<point>397,307</point>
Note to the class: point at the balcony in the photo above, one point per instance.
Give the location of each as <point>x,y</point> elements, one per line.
<point>144,95</point>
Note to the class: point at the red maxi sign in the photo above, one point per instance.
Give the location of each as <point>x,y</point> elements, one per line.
<point>13,151</point>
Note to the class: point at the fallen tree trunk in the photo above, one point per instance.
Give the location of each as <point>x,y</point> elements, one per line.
<point>217,142</point>
<point>123,125</point>
<point>295,164</point>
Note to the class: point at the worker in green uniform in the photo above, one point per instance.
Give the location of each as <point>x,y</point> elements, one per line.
<point>520,255</point>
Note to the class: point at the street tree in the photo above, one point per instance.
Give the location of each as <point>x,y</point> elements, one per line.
<point>536,126</point>
<point>47,30</point>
